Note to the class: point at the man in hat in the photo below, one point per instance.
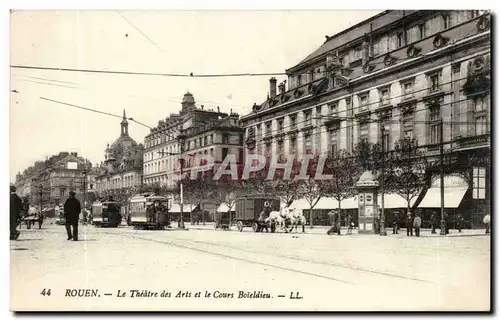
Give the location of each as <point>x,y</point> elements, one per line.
<point>72,211</point>
<point>409,224</point>
<point>434,222</point>
<point>15,212</point>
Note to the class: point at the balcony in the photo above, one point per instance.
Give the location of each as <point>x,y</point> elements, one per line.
<point>473,141</point>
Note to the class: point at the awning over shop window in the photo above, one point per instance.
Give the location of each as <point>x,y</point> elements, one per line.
<point>224,208</point>
<point>392,201</point>
<point>187,208</point>
<point>301,204</point>
<point>330,203</point>
<point>452,197</point>
<point>455,188</point>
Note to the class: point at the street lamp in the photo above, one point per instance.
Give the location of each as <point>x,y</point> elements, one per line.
<point>40,192</point>
<point>441,156</point>
<point>84,173</point>
<point>181,139</point>
<point>383,232</point>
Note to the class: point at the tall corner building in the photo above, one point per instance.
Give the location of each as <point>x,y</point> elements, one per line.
<point>406,70</point>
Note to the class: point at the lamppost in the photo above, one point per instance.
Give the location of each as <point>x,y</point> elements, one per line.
<point>84,173</point>
<point>441,157</point>
<point>40,192</point>
<point>181,139</point>
<point>382,214</point>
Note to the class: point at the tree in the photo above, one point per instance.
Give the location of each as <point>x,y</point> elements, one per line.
<point>287,187</point>
<point>195,190</point>
<point>342,166</point>
<point>311,189</point>
<point>408,173</point>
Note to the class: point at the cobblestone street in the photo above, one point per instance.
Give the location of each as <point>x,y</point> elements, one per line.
<point>356,272</point>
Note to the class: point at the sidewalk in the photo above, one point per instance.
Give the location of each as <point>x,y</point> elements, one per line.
<point>323,229</point>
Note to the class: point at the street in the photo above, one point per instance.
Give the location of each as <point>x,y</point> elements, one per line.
<point>312,271</point>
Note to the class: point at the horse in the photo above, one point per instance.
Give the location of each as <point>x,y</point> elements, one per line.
<point>297,218</point>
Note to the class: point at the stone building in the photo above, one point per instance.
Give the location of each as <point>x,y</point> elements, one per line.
<point>120,174</point>
<point>205,132</point>
<point>407,70</point>
<point>55,178</point>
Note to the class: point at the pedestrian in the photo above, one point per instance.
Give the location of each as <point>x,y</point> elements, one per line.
<point>350,224</point>
<point>72,211</point>
<point>433,222</point>
<point>460,222</point>
<point>417,222</point>
<point>409,225</point>
<point>395,223</point>
<point>446,224</point>
<point>486,221</point>
<point>333,228</point>
<point>15,213</point>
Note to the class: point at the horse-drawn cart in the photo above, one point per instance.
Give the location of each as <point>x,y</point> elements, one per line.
<point>253,211</point>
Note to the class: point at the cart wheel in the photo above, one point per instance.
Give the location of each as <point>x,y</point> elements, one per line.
<point>273,227</point>
<point>255,227</point>
<point>239,224</point>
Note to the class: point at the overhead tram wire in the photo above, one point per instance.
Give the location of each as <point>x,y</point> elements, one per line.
<point>140,31</point>
<point>93,110</point>
<point>193,75</point>
<point>118,72</point>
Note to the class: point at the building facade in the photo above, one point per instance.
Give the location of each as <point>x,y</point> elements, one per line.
<point>53,179</point>
<point>120,174</point>
<point>410,71</point>
<point>204,131</point>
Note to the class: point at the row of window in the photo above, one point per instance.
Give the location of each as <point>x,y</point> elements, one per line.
<point>479,125</point>
<point>393,41</point>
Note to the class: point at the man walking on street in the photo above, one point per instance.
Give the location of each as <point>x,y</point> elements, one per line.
<point>416,224</point>
<point>460,222</point>
<point>15,213</point>
<point>433,222</point>
<point>409,225</point>
<point>395,223</point>
<point>349,224</point>
<point>72,211</point>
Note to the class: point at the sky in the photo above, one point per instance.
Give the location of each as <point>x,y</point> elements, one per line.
<point>201,42</point>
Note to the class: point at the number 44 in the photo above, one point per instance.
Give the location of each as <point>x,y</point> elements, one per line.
<point>45,292</point>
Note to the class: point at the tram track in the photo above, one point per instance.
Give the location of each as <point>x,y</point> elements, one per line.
<point>173,241</point>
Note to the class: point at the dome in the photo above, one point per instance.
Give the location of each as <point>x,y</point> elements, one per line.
<point>188,98</point>
<point>367,176</point>
<point>122,144</point>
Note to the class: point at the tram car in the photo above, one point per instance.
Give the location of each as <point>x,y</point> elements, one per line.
<point>252,211</point>
<point>106,214</point>
<point>149,212</point>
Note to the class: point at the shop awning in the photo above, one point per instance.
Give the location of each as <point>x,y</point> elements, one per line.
<point>301,204</point>
<point>394,201</point>
<point>330,203</point>
<point>455,188</point>
<point>224,208</point>
<point>187,208</point>
<point>452,197</point>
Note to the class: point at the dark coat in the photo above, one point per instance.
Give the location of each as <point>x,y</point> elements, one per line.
<point>16,205</point>
<point>72,210</point>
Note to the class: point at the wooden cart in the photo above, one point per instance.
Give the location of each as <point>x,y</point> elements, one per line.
<point>249,209</point>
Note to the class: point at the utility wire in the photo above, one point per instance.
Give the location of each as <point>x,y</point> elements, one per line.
<point>191,75</point>
<point>140,31</point>
<point>194,74</point>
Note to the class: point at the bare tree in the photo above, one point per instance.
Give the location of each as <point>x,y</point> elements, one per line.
<point>311,189</point>
<point>342,166</point>
<point>408,172</point>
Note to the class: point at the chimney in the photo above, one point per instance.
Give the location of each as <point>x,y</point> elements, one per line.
<point>202,107</point>
<point>218,109</point>
<point>272,87</point>
<point>281,87</point>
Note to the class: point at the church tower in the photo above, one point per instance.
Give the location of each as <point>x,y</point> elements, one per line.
<point>124,124</point>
